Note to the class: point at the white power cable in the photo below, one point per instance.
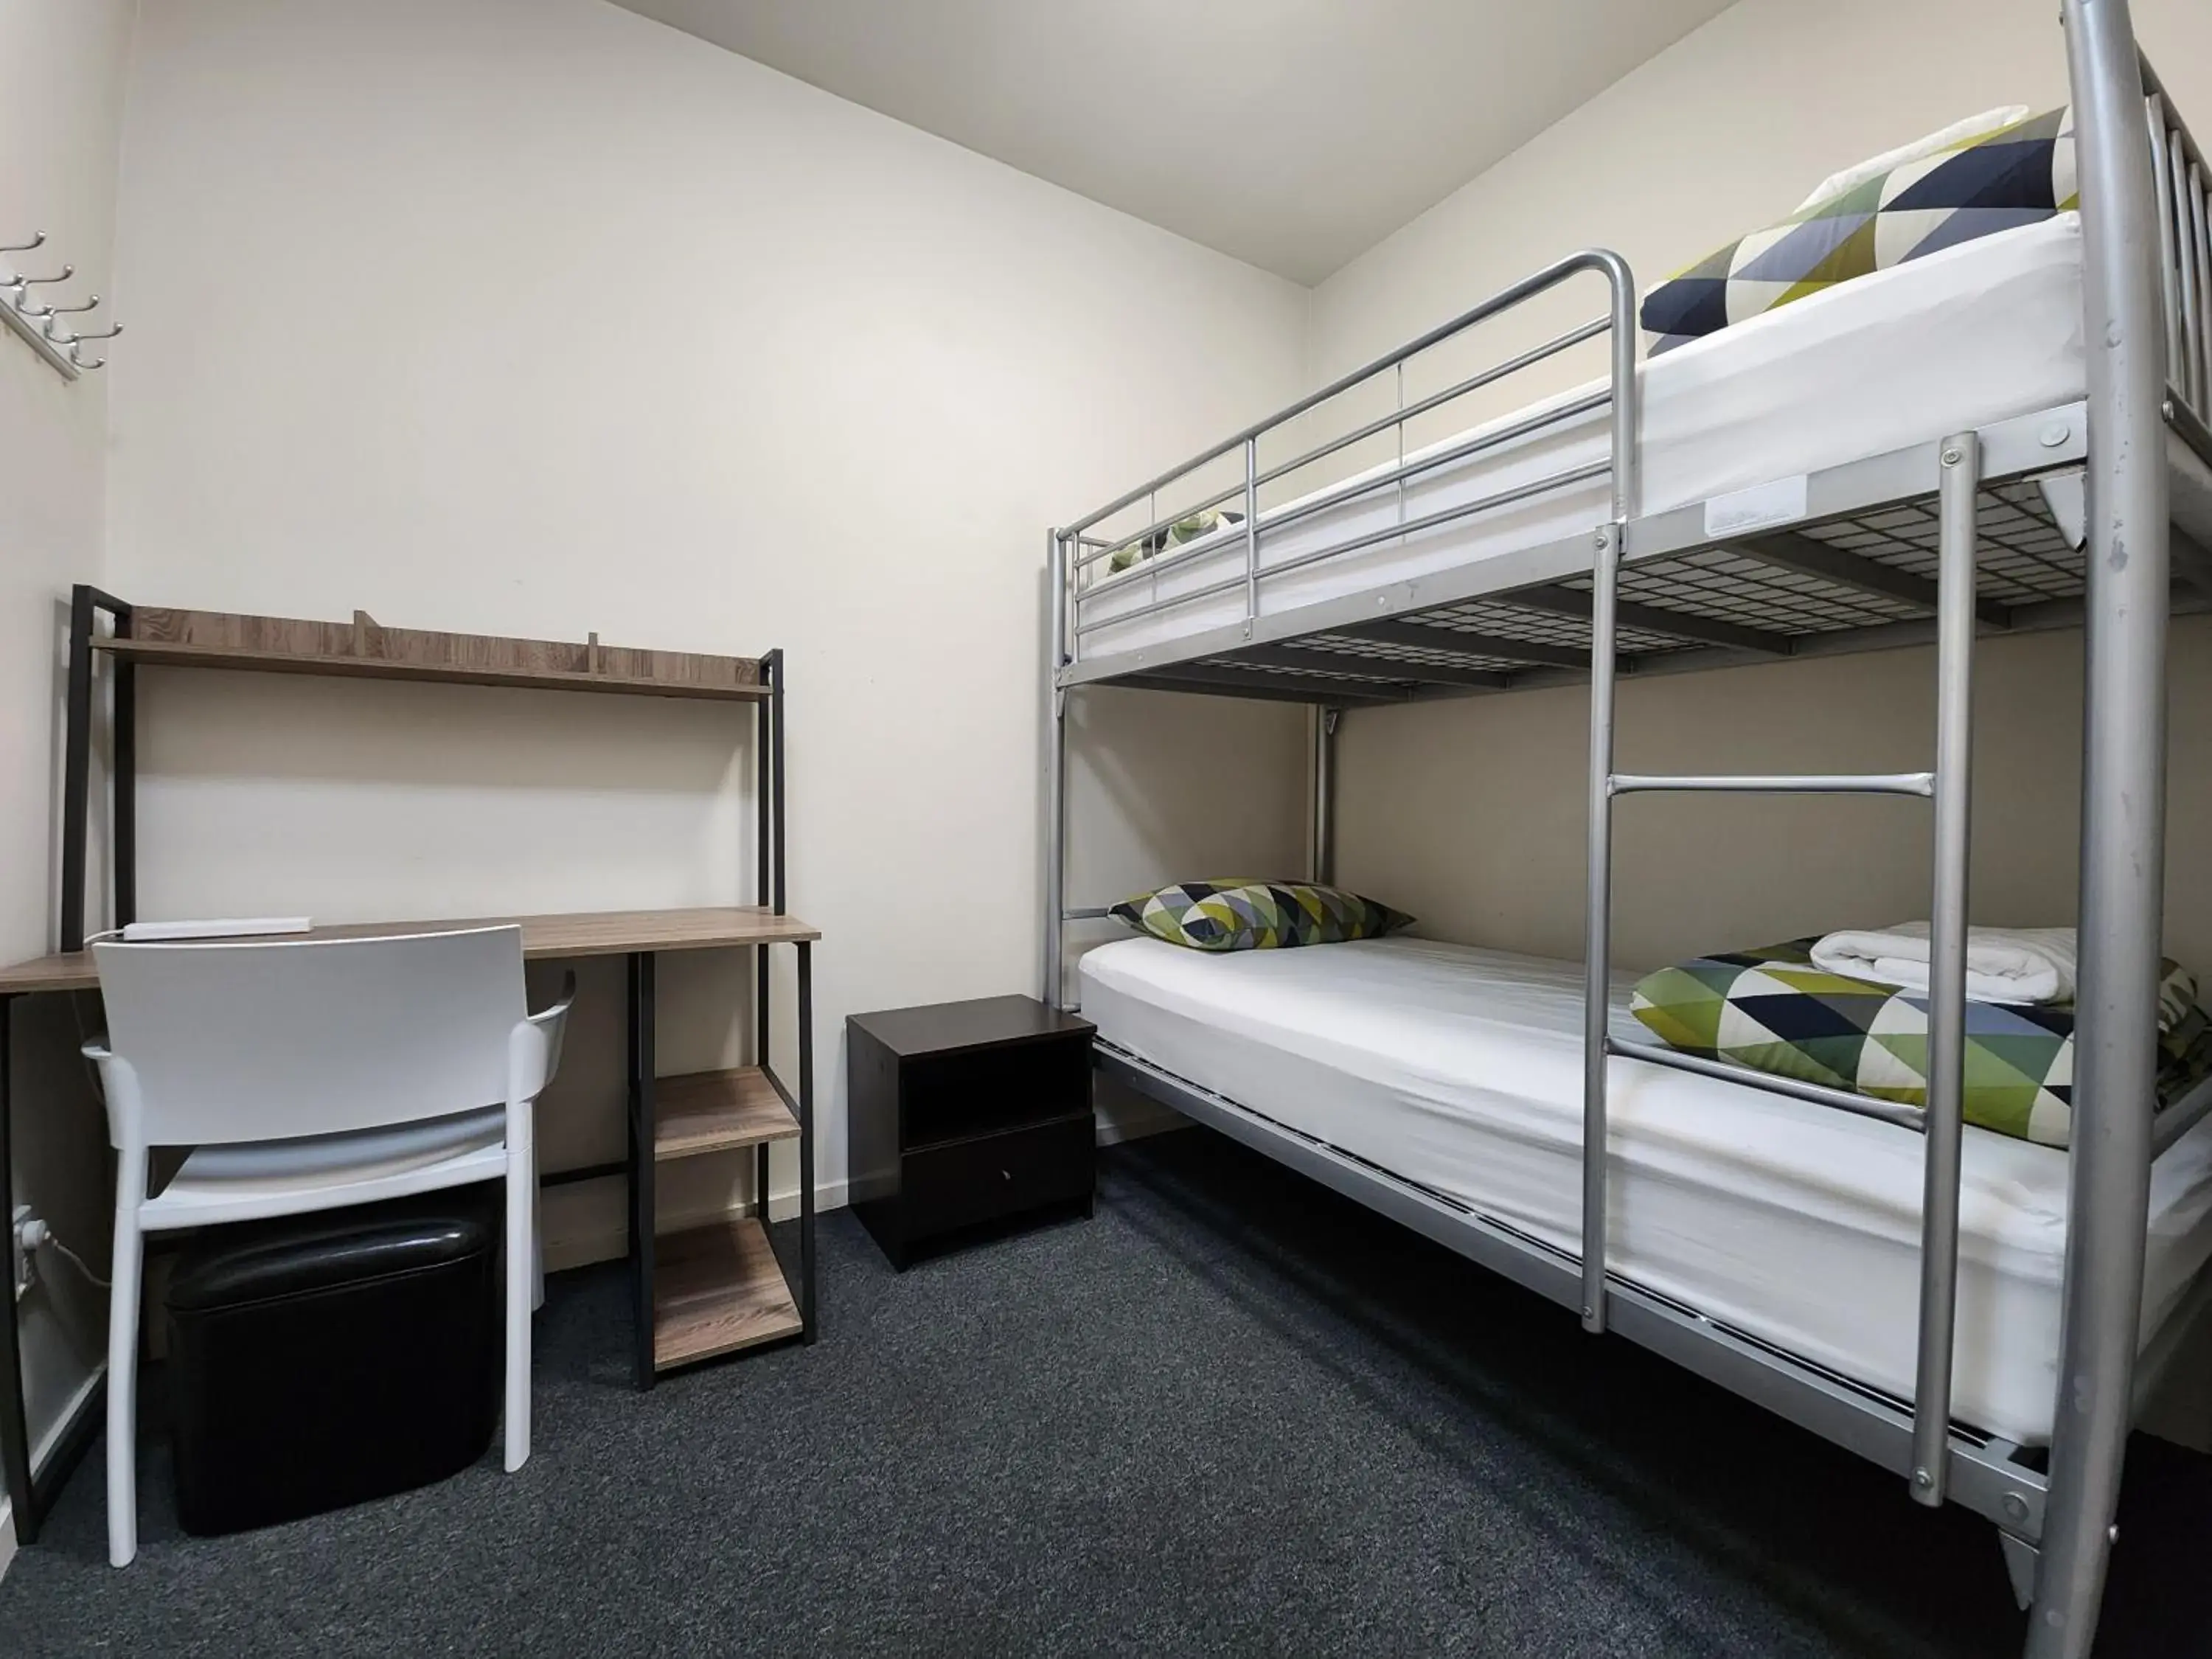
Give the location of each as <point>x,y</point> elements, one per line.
<point>35,1235</point>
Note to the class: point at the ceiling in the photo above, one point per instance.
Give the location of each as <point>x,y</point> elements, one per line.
<point>1293,134</point>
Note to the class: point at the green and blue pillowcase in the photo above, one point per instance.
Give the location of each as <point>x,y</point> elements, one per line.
<point>1772,1011</point>
<point>1985,182</point>
<point>1183,530</point>
<point>1256,915</point>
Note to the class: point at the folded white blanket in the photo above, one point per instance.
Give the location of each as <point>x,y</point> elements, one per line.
<point>2003,965</point>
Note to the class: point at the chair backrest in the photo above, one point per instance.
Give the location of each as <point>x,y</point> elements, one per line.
<point>261,1041</point>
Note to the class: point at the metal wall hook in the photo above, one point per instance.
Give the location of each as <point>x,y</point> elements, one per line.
<point>38,325</point>
<point>23,285</point>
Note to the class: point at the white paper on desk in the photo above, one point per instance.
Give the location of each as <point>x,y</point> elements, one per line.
<point>141,933</point>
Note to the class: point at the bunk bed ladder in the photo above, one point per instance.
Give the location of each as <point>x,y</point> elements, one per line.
<point>1958,467</point>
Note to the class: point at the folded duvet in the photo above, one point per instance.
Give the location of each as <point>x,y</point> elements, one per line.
<point>1776,1010</point>
<point>2003,965</point>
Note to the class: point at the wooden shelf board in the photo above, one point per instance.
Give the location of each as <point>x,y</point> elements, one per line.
<point>719,1289</point>
<point>585,934</point>
<point>365,647</point>
<point>714,1111</point>
<point>163,653</point>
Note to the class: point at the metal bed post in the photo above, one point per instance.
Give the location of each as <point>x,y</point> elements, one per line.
<point>2123,826</point>
<point>1324,801</point>
<point>1597,922</point>
<point>1959,503</point>
<point>1251,533</point>
<point>1597,919</point>
<point>1055,769</point>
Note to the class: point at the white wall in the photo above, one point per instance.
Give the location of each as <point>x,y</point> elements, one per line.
<point>61,86</point>
<point>1471,814</point>
<point>534,317</point>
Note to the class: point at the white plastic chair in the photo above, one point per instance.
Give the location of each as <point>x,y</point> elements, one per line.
<point>310,1073</point>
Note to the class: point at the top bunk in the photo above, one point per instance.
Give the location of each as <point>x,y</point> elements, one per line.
<point>1773,484</point>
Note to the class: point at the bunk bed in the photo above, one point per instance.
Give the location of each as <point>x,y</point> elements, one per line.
<point>2008,435</point>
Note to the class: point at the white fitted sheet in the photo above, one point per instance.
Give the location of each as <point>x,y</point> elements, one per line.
<point>1975,334</point>
<point>1460,1070</point>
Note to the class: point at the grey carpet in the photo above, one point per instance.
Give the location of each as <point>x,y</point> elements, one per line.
<point>1233,1415</point>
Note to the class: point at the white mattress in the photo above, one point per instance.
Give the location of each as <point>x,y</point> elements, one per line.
<point>1460,1070</point>
<point>1980,332</point>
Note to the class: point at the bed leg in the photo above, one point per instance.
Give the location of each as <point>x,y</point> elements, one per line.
<point>1055,773</point>
<point>2123,828</point>
<point>2020,1558</point>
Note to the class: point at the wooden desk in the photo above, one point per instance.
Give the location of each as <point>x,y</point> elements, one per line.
<point>585,934</point>
<point>724,1288</point>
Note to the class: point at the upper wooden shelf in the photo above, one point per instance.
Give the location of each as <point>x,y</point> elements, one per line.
<point>366,648</point>
<point>582,933</point>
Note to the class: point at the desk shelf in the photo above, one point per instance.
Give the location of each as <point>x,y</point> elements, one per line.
<point>719,1289</point>
<point>365,648</point>
<point>718,1112</point>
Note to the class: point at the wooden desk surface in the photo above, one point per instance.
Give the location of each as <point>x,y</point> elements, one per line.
<point>586,933</point>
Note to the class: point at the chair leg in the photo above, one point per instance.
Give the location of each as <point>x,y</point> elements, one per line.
<point>520,1253</point>
<point>537,1241</point>
<point>122,1366</point>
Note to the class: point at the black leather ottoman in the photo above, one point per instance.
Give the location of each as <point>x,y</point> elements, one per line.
<point>326,1359</point>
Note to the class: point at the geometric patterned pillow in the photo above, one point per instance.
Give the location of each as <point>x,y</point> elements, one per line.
<point>1204,522</point>
<point>1771,1011</point>
<point>1986,183</point>
<point>1256,915</point>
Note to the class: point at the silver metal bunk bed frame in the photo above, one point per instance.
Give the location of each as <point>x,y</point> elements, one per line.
<point>1871,564</point>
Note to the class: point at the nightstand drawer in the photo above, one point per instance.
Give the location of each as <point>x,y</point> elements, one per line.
<point>995,1176</point>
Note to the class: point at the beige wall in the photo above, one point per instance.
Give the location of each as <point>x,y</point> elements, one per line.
<point>1728,128</point>
<point>61,88</point>
<point>1471,814</point>
<point>535,317</point>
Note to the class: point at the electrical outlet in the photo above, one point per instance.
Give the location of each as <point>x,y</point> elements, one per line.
<point>25,1236</point>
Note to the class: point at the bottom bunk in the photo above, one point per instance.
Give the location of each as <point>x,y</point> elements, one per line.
<point>1458,1073</point>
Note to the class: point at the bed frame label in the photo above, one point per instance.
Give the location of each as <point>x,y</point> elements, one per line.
<point>1783,501</point>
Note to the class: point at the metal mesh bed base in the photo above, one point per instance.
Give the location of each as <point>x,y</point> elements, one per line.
<point>1864,580</point>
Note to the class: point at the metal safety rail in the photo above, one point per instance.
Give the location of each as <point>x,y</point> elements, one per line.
<point>2181,180</point>
<point>1079,557</point>
<point>1931,544</point>
<point>1073,551</point>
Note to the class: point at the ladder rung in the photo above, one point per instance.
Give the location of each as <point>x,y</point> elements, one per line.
<point>1782,783</point>
<point>1889,1111</point>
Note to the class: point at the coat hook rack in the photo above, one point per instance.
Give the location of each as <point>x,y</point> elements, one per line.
<point>34,323</point>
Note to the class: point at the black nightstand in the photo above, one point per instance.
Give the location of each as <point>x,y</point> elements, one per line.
<point>967,1113</point>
